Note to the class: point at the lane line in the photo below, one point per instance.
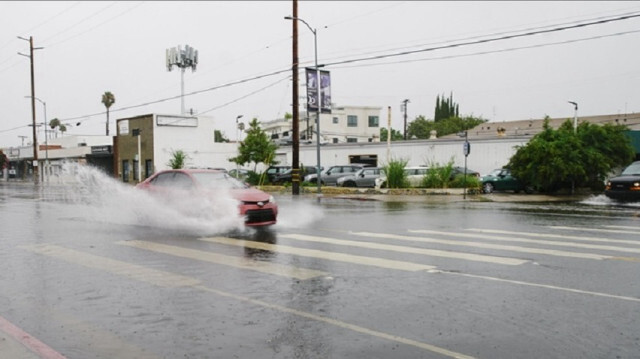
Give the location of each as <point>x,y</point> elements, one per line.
<point>118,267</point>
<point>526,240</point>
<point>551,235</point>
<point>331,256</point>
<point>341,324</point>
<point>546,286</point>
<point>237,262</point>
<point>594,230</point>
<point>133,271</point>
<point>29,342</point>
<point>550,252</point>
<point>414,250</point>
<point>625,227</point>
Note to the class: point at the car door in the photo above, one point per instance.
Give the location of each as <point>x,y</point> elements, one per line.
<point>367,177</point>
<point>504,181</point>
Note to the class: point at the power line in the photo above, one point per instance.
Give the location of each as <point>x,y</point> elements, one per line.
<point>488,40</point>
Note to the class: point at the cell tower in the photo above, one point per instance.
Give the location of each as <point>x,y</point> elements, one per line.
<point>182,58</point>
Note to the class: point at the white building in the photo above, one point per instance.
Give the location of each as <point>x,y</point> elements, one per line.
<point>345,124</point>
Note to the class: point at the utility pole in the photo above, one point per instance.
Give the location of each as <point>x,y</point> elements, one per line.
<point>404,107</point>
<point>36,173</point>
<point>295,166</point>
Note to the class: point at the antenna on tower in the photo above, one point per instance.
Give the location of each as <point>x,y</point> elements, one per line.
<point>182,58</point>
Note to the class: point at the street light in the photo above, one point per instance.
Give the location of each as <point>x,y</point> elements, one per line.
<point>575,116</point>
<point>46,141</point>
<point>238,142</point>
<point>315,47</point>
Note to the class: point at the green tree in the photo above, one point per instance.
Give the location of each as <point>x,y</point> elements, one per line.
<point>178,159</point>
<point>108,99</point>
<point>395,134</point>
<point>256,147</point>
<point>559,159</point>
<point>421,127</point>
<point>445,108</point>
<point>219,136</point>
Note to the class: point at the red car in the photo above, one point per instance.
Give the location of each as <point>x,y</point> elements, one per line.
<point>257,207</point>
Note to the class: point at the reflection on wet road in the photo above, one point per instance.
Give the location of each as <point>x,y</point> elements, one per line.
<point>446,279</point>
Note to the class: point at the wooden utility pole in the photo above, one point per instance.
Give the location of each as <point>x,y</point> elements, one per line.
<point>36,173</point>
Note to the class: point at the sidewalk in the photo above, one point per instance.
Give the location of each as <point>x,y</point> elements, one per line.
<point>424,194</point>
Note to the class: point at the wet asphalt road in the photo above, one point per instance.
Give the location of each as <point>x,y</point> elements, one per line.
<point>93,271</point>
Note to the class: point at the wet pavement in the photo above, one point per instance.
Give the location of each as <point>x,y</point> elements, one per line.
<point>91,269</point>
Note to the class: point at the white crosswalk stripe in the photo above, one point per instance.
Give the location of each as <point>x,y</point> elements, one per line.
<point>550,252</point>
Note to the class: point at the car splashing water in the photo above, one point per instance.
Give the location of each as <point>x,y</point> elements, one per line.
<point>102,198</point>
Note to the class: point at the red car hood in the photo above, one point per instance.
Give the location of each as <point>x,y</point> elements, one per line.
<point>250,195</point>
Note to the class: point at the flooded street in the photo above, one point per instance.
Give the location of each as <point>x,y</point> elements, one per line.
<point>93,268</point>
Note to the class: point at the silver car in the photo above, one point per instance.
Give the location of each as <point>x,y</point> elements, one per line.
<point>365,177</point>
<point>330,176</point>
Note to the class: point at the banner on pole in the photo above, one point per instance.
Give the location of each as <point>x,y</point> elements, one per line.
<point>312,91</point>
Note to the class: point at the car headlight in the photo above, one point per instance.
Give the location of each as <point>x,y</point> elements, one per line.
<point>635,186</point>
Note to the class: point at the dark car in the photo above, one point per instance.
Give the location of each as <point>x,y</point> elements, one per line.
<point>273,171</point>
<point>625,187</point>
<point>502,180</point>
<point>285,177</point>
<point>457,171</point>
<point>179,186</point>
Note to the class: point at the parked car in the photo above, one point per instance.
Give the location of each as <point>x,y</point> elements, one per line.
<point>331,175</point>
<point>502,180</point>
<point>286,176</point>
<point>457,171</point>
<point>363,178</point>
<point>240,173</point>
<point>625,187</point>
<point>415,175</point>
<point>273,171</point>
<point>258,208</point>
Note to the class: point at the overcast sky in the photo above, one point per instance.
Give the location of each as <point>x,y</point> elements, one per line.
<point>119,46</point>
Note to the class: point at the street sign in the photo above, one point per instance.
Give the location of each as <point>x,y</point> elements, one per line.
<point>466,148</point>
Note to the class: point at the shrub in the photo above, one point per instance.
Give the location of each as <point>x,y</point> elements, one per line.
<point>396,176</point>
<point>438,176</point>
<point>471,182</point>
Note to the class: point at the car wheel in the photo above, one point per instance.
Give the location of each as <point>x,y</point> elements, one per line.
<point>528,189</point>
<point>349,184</point>
<point>487,187</point>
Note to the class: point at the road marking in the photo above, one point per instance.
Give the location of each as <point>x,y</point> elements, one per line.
<point>550,252</point>
<point>414,250</point>
<point>625,227</point>
<point>595,230</point>
<point>551,235</point>
<point>29,342</point>
<point>341,324</point>
<point>534,241</point>
<point>134,271</point>
<point>237,262</point>
<point>314,253</point>
<point>147,275</point>
<point>546,286</point>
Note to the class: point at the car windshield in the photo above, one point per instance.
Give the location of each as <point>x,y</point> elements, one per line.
<point>632,170</point>
<point>495,173</point>
<point>217,180</point>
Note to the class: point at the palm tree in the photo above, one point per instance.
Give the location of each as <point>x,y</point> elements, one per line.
<point>108,99</point>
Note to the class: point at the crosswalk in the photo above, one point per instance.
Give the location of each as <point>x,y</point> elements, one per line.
<point>484,245</point>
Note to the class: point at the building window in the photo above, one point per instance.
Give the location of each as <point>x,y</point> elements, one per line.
<point>135,171</point>
<point>352,121</point>
<point>148,168</point>
<point>335,140</point>
<point>352,139</point>
<point>374,121</point>
<point>335,120</point>
<point>125,171</point>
